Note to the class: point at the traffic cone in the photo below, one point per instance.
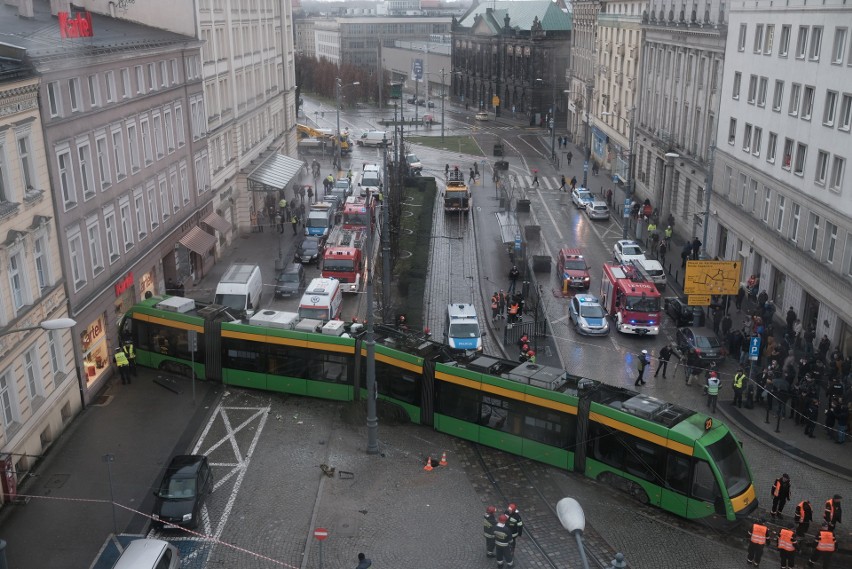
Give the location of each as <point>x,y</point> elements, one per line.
<point>443,459</point>
<point>428,467</point>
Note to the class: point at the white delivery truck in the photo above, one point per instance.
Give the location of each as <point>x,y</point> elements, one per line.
<point>371,180</point>
<point>240,289</point>
<point>374,138</point>
<point>321,301</point>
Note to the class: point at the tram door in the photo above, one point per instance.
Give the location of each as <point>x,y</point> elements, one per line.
<point>676,489</point>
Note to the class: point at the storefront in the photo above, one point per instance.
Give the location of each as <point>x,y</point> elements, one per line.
<point>95,349</point>
<point>148,283</point>
<point>124,297</point>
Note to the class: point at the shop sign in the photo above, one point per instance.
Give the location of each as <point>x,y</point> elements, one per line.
<point>124,284</point>
<point>92,334</point>
<point>146,283</point>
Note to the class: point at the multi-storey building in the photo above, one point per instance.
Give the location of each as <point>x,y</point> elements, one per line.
<point>513,56</point>
<point>355,40</point>
<point>682,60</point>
<point>781,202</point>
<point>125,137</point>
<point>38,385</point>
<point>583,66</point>
<point>619,45</point>
<point>305,36</point>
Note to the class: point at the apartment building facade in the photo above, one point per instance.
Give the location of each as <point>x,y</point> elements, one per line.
<point>38,382</point>
<point>583,68</point>
<point>781,202</point>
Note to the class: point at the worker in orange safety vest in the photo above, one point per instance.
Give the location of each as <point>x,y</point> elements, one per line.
<point>757,540</point>
<point>787,546</point>
<point>824,548</point>
<point>833,514</point>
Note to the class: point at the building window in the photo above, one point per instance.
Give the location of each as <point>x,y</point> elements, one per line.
<point>801,155</point>
<point>103,161</point>
<point>802,43</point>
<point>830,108</point>
<point>157,125</point>
<point>747,138</point>
<point>838,167</point>
<point>758,38</point>
<point>743,188</point>
<point>752,89</point>
<point>761,91</point>
<point>807,103</point>
<point>769,39</point>
<point>816,43</point>
<point>830,245</point>
<point>741,42</point>
<point>74,93</point>
<point>94,91</point>
<point>32,371</point>
<point>133,146</point>
<point>140,80</point>
<point>57,360</point>
<point>147,150</point>
<point>78,263</point>
<point>184,184</point>
<point>174,71</point>
<point>767,200</point>
<point>779,213</point>
<point>42,264</point>
<point>784,42</point>
<point>139,209</point>
<point>18,281</point>
<point>794,223</point>
<point>756,141</point>
<point>814,225</point>
<point>164,196</point>
<point>170,129</point>
<point>110,86</point>
<point>153,209</point>
<point>118,153</point>
<point>8,401</point>
<point>152,77</point>
<point>845,119</point>
<point>126,223</point>
<point>839,45</point>
<point>788,153</point>
<point>795,95</point>
<point>25,161</point>
<point>737,81</point>
<point>179,128</point>
<point>175,190</point>
<point>732,131</point>
<point>87,179</point>
<point>96,251</point>
<point>771,146</point>
<point>125,83</point>
<point>821,167</point>
<point>164,76</point>
<point>54,99</point>
<point>66,179</point>
<point>778,96</point>
<point>111,233</point>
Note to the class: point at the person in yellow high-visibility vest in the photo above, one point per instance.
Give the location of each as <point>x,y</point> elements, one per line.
<point>123,364</point>
<point>130,351</point>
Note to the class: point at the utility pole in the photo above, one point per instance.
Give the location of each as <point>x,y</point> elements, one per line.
<point>708,189</point>
<point>629,194</point>
<point>443,96</point>
<point>553,120</point>
<point>370,342</point>
<point>337,107</point>
<point>386,257</point>
<point>588,163</point>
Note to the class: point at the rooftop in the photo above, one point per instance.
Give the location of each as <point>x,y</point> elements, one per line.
<point>522,14</point>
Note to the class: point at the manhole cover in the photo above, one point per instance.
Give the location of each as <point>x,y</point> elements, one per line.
<point>346,526</point>
<point>102,400</point>
<point>56,481</point>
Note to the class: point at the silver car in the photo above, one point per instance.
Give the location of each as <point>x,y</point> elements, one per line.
<point>588,316</point>
<point>597,210</point>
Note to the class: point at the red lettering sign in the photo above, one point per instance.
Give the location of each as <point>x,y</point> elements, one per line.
<point>75,25</point>
<point>124,284</point>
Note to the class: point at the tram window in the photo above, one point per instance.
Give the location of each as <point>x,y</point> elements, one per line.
<point>704,485</point>
<point>329,367</point>
<point>643,459</point>
<point>549,427</point>
<point>503,414</point>
<point>242,355</point>
<point>728,456</point>
<point>167,341</point>
<point>456,401</point>
<point>608,447</point>
<point>397,383</point>
<point>287,361</point>
<point>677,473</point>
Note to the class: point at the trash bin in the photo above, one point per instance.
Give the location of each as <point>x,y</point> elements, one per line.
<point>523,206</point>
<point>698,317</point>
<point>498,150</point>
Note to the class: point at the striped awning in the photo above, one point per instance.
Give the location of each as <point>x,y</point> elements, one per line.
<point>217,222</point>
<point>198,241</point>
<point>275,173</point>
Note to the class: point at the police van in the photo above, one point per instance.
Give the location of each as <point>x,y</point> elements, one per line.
<point>463,332</point>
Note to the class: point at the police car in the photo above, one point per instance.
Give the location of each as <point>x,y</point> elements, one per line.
<point>588,316</point>
<point>462,328</point>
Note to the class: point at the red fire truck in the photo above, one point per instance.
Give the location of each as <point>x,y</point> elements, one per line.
<point>357,212</point>
<point>633,302</point>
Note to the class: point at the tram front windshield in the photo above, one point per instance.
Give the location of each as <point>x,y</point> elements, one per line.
<point>729,459</point>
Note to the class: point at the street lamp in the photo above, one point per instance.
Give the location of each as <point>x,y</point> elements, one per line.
<point>443,96</point>
<point>56,324</point>
<point>338,87</point>
<point>572,518</point>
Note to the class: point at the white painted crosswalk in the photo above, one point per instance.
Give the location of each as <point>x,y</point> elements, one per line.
<point>551,183</point>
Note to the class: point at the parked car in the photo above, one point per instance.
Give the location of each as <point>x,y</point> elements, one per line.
<point>481,116</point>
<point>186,483</point>
<point>703,341</point>
<point>291,281</point>
<point>581,197</point>
<point>411,100</point>
<point>588,316</point>
<point>309,250</point>
<point>414,163</point>
<point>626,250</point>
<point>681,312</point>
<point>597,210</point>
<point>430,104</point>
<point>421,102</point>
<point>148,554</point>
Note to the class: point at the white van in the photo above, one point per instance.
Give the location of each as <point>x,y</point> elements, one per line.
<point>240,289</point>
<point>148,554</point>
<point>321,301</point>
<point>462,328</point>
<point>652,271</point>
<point>373,138</point>
<point>371,180</point>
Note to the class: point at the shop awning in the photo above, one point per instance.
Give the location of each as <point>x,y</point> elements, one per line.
<point>198,241</point>
<point>217,222</point>
<point>275,173</point>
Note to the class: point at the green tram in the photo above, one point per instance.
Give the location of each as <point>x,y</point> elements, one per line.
<point>662,454</point>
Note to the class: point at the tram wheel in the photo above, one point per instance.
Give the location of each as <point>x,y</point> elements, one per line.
<point>638,492</point>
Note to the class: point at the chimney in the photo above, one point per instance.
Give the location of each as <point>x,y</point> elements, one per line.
<point>25,8</point>
<point>57,6</point>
